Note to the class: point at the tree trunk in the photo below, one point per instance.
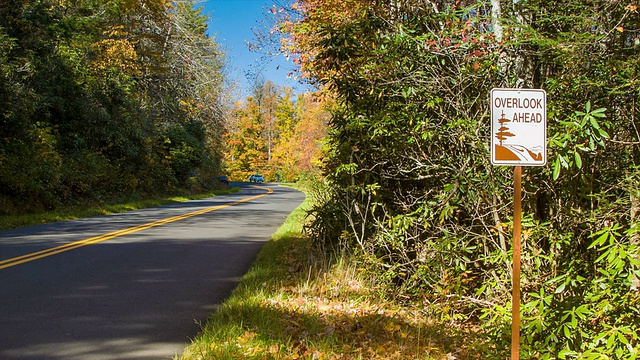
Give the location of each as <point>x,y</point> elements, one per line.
<point>496,22</point>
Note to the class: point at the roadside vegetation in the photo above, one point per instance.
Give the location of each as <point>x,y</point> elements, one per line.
<point>101,100</point>
<point>298,303</point>
<point>411,193</point>
<point>95,209</point>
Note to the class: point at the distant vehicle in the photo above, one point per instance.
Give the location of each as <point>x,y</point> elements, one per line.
<point>256,178</point>
<point>224,180</point>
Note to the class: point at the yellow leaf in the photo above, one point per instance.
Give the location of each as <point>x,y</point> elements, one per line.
<point>620,28</point>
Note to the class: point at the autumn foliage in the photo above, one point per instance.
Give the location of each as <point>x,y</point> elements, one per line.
<point>272,134</point>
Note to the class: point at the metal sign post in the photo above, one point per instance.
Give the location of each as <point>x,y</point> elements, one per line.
<point>518,138</point>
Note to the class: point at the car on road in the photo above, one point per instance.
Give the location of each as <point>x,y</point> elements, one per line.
<point>256,178</point>
<point>224,180</point>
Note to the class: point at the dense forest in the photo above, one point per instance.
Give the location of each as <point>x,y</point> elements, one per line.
<point>100,99</point>
<point>410,189</point>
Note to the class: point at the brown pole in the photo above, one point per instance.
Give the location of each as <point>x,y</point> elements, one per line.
<point>515,298</point>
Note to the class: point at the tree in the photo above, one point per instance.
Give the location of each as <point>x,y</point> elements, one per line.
<point>311,131</point>
<point>102,98</point>
<point>302,128</point>
<point>283,162</point>
<point>193,89</point>
<point>276,135</point>
<point>245,147</point>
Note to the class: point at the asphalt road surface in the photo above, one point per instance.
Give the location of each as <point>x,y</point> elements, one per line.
<point>137,285</point>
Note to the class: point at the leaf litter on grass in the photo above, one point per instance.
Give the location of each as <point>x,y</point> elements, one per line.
<point>295,304</point>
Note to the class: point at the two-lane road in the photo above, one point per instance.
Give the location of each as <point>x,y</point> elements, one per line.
<point>130,286</point>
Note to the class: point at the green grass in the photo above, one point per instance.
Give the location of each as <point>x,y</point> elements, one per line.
<point>295,303</point>
<point>88,210</point>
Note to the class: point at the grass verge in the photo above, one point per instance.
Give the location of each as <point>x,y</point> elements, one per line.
<point>88,210</point>
<point>295,303</point>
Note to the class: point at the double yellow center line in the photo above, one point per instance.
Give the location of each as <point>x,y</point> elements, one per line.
<point>100,238</point>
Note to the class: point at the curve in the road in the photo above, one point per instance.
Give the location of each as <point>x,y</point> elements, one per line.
<point>101,238</point>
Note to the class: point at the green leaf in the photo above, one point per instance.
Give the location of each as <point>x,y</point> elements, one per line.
<point>556,169</point>
<point>623,339</point>
<point>564,353</point>
<point>599,113</point>
<point>603,133</point>
<point>582,311</point>
<point>611,341</point>
<point>588,106</point>
<point>603,236</point>
<point>578,160</point>
<point>563,161</point>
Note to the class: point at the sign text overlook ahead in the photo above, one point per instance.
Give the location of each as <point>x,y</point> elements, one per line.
<point>519,127</point>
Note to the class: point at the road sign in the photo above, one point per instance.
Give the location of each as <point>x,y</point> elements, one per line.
<point>519,127</point>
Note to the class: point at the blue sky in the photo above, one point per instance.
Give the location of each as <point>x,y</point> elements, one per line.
<point>231,23</point>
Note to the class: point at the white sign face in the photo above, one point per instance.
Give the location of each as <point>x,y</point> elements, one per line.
<point>519,127</point>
